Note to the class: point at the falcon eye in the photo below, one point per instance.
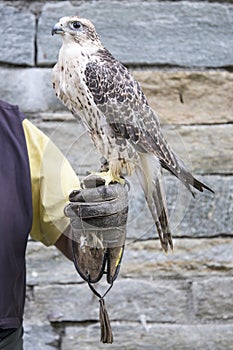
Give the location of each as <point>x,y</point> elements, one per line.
<point>76,25</point>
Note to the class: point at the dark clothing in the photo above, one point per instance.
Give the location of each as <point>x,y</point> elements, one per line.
<point>15,215</point>
<point>13,341</point>
<point>6,332</point>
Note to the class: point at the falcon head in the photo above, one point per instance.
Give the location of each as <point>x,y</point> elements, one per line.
<point>76,29</point>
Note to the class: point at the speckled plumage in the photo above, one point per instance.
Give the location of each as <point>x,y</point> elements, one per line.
<point>111,104</point>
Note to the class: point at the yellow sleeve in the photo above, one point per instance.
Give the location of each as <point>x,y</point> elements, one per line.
<point>52,180</point>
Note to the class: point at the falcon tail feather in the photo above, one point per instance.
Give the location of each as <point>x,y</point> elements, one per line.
<point>186,177</point>
<point>150,177</point>
<point>200,185</point>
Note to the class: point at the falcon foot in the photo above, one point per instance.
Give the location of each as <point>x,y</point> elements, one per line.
<point>108,177</point>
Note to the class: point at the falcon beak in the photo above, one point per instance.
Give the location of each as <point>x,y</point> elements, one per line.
<point>57,29</point>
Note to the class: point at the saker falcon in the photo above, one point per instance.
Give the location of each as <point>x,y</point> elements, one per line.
<point>111,104</point>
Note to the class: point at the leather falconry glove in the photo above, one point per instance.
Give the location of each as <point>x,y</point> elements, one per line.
<point>98,217</point>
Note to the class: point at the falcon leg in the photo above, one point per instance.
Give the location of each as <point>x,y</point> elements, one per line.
<point>109,176</point>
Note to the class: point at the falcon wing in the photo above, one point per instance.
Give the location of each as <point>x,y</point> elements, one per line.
<point>120,98</point>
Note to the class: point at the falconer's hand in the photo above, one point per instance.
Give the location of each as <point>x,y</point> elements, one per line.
<point>98,216</point>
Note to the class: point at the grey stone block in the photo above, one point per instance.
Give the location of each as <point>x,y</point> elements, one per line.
<point>213,299</point>
<point>191,259</point>
<point>152,337</point>
<point>134,300</point>
<point>31,89</point>
<point>206,95</point>
<point>198,146</point>
<point>188,97</point>
<point>169,33</point>
<point>58,303</point>
<point>40,337</point>
<point>39,273</point>
<point>207,215</point>
<point>46,44</point>
<point>17,39</point>
<point>129,300</point>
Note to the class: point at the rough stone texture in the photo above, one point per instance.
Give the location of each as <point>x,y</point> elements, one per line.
<point>128,301</point>
<point>152,288</point>
<point>160,289</point>
<point>192,259</point>
<point>18,30</point>
<point>183,97</point>
<point>62,303</point>
<point>47,45</point>
<point>31,89</point>
<point>153,337</point>
<point>167,33</point>
<point>198,146</point>
<point>206,95</point>
<point>213,299</point>
<point>40,337</point>
<point>206,214</point>
<point>201,144</point>
<point>62,269</point>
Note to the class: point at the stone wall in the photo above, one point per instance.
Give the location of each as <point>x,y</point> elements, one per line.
<point>182,53</point>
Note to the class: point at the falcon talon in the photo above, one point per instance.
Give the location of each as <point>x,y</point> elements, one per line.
<point>107,177</point>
